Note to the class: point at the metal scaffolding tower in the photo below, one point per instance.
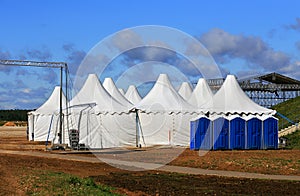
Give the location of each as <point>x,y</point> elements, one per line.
<point>58,65</point>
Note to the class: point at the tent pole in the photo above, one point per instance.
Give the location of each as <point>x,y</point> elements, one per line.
<point>137,129</point>
<point>60,107</point>
<point>67,112</point>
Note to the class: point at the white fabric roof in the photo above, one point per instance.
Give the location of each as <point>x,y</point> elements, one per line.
<point>111,88</point>
<point>52,104</point>
<point>201,94</point>
<point>231,99</point>
<point>133,95</point>
<point>93,92</point>
<point>121,91</point>
<point>164,98</point>
<point>185,90</point>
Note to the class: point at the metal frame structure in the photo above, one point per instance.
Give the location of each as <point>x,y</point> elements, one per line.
<point>266,90</point>
<point>58,65</point>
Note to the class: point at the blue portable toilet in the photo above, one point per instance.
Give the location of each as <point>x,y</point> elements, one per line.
<point>193,129</point>
<point>237,132</point>
<point>270,132</point>
<point>254,132</point>
<point>220,133</point>
<point>200,133</point>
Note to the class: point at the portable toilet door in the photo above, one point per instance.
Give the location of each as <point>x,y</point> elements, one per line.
<point>270,133</point>
<point>193,129</point>
<point>237,133</point>
<point>203,135</point>
<point>254,133</point>
<point>220,133</point>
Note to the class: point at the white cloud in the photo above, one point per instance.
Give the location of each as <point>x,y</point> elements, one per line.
<point>225,46</point>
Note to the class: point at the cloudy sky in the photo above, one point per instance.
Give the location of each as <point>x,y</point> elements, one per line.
<point>244,38</point>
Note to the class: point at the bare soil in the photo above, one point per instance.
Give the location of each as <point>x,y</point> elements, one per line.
<point>281,162</point>
<point>13,168</point>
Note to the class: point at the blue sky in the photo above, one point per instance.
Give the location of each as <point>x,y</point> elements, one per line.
<point>244,37</point>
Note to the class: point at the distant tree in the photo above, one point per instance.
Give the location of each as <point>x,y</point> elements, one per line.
<point>13,115</point>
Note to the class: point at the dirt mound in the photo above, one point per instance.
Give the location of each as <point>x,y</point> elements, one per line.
<point>9,124</point>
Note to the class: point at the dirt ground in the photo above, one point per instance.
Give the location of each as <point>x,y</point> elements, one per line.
<point>13,168</point>
<point>282,162</point>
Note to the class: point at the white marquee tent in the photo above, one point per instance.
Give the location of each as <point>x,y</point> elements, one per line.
<point>102,121</point>
<point>201,94</point>
<point>121,91</point>
<point>133,95</point>
<point>43,123</point>
<point>111,88</point>
<point>164,115</point>
<point>185,90</point>
<point>231,99</point>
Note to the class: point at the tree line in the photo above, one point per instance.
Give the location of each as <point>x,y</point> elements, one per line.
<point>13,115</point>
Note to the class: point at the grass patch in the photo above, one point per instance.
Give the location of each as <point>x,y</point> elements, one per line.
<point>57,183</point>
<point>2,122</point>
<point>290,109</point>
<point>293,140</point>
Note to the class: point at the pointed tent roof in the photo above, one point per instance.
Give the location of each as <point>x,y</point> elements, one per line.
<point>52,104</point>
<point>121,91</point>
<point>164,98</point>
<point>133,95</point>
<point>92,92</point>
<point>231,99</point>
<point>201,94</point>
<point>111,88</point>
<point>185,90</point>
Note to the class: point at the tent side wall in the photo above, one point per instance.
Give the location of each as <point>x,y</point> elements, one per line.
<point>98,131</point>
<point>237,133</point>
<point>156,128</point>
<point>270,133</point>
<point>42,124</point>
<point>181,134</point>
<point>30,127</point>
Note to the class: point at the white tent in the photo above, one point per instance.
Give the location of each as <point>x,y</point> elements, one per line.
<point>43,123</point>
<point>121,91</point>
<point>133,95</point>
<point>164,115</point>
<point>102,121</point>
<point>185,90</point>
<point>111,88</point>
<point>231,99</point>
<point>201,94</point>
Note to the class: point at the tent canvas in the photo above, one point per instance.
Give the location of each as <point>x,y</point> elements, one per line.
<point>164,115</point>
<point>231,99</point>
<point>201,94</point>
<point>185,90</point>
<point>111,88</point>
<point>43,123</point>
<point>121,91</point>
<point>102,121</point>
<point>133,95</point>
